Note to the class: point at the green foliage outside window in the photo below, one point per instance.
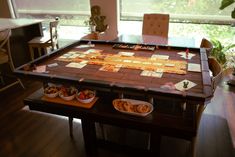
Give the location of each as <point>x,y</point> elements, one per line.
<point>226,3</point>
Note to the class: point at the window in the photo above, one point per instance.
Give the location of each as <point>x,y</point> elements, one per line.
<point>193,11</point>
<point>72,12</point>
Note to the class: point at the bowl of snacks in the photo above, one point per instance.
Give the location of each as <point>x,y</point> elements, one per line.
<point>85,96</point>
<point>68,93</point>
<point>51,91</point>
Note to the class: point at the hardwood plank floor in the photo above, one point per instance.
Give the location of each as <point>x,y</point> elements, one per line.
<point>25,133</point>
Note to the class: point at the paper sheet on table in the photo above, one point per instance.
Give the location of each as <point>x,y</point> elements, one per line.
<point>180,86</point>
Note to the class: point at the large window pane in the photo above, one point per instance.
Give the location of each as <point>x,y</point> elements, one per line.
<point>200,11</point>
<point>71,12</point>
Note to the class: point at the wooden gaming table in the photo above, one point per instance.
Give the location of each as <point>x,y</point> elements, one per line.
<point>175,112</point>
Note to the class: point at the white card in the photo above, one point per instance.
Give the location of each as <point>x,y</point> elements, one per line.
<point>194,67</point>
<point>92,51</point>
<point>127,61</point>
<point>159,57</point>
<point>86,46</point>
<point>169,64</point>
<point>156,74</point>
<point>75,65</point>
<point>52,65</point>
<point>180,86</point>
<point>127,54</point>
<point>145,73</point>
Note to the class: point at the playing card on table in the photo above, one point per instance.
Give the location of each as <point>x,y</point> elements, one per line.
<point>73,56</point>
<point>111,68</point>
<point>52,65</point>
<point>127,61</point>
<point>157,64</point>
<point>40,69</point>
<point>159,57</point>
<point>76,65</point>
<point>146,63</point>
<point>146,73</point>
<point>180,86</point>
<point>169,64</point>
<point>92,51</point>
<point>127,54</point>
<point>152,73</point>
<point>86,46</point>
<point>194,67</point>
<point>156,74</point>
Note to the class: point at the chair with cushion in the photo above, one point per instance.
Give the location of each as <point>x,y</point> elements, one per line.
<point>5,57</point>
<point>205,43</point>
<point>45,42</point>
<point>156,24</point>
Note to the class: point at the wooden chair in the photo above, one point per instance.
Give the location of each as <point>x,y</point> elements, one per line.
<point>5,57</point>
<point>156,24</point>
<point>42,43</point>
<point>217,72</point>
<point>207,45</point>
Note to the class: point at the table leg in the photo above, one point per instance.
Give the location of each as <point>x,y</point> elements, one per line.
<point>71,127</point>
<point>155,144</point>
<point>89,136</point>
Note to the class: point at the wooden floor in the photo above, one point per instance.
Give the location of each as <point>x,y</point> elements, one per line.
<point>25,133</point>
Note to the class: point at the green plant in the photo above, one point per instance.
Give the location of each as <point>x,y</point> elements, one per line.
<point>96,19</point>
<point>226,3</point>
<point>220,52</point>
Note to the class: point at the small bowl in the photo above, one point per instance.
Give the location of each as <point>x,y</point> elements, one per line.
<point>86,100</point>
<point>64,93</point>
<point>67,98</point>
<point>51,92</point>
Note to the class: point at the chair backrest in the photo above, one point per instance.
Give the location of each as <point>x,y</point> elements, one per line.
<point>54,33</point>
<point>4,37</point>
<point>207,45</point>
<point>156,24</point>
<point>5,45</point>
<point>216,70</point>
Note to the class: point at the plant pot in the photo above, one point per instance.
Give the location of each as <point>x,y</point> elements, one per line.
<point>93,28</point>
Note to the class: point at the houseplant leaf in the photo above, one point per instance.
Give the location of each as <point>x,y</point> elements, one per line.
<point>226,3</point>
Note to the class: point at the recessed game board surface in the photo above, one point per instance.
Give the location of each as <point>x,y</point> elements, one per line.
<point>119,61</point>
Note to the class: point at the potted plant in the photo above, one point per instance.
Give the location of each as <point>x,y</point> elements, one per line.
<point>223,53</point>
<point>96,21</point>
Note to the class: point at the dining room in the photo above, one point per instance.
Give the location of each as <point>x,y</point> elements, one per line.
<point>151,88</point>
